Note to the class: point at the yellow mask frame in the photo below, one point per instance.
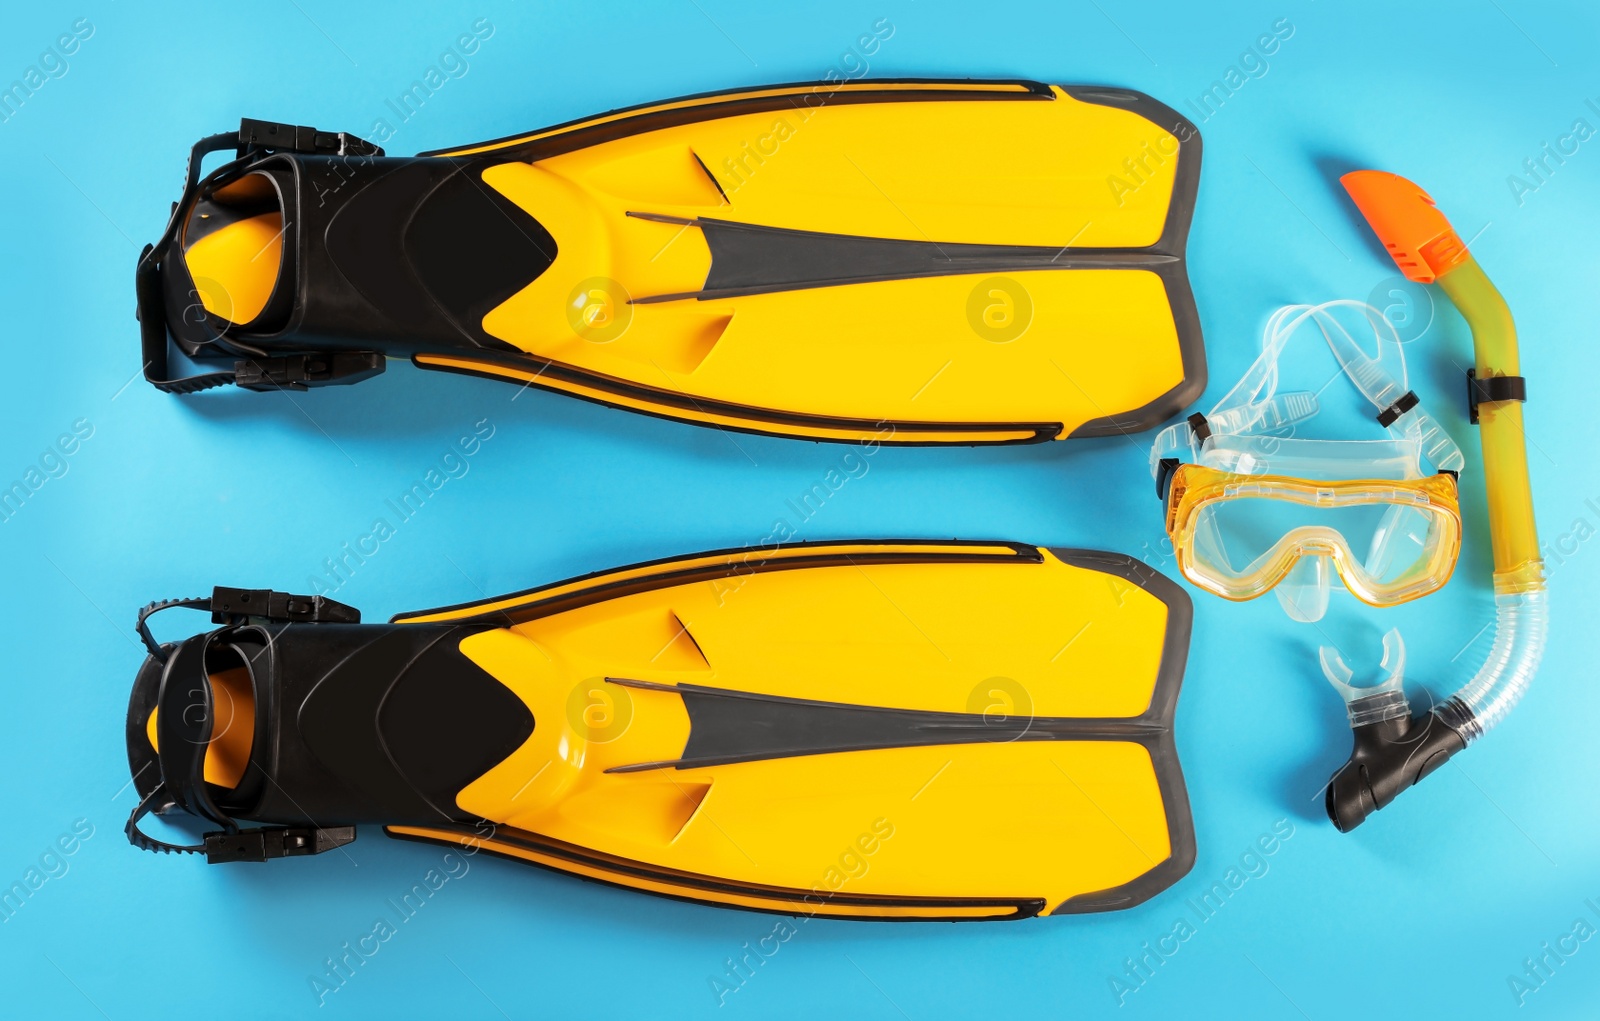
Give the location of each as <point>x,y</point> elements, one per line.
<point>1197,488</point>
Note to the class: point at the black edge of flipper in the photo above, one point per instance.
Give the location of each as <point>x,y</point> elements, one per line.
<point>626,121</point>
<point>711,887</point>
<point>672,406</point>
<point>755,560</point>
<point>1173,242</point>
<point>1160,743</point>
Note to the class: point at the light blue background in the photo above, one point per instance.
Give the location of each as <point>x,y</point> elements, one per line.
<point>1426,911</point>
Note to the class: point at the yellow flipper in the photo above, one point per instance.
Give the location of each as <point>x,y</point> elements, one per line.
<point>919,729</point>
<point>911,262</point>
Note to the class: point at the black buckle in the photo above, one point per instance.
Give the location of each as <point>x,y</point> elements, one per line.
<point>1167,466</point>
<point>254,134</point>
<point>274,842</point>
<point>1388,416</point>
<point>1165,469</point>
<point>237,605</point>
<point>1492,389</point>
<point>299,372</point>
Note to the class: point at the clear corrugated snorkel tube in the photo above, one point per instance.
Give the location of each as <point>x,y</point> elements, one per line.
<point>1393,750</point>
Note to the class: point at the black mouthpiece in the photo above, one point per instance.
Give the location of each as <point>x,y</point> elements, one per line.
<point>1387,758</point>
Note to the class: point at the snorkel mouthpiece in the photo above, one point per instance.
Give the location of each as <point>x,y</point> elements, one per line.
<point>1388,757</point>
<point>1394,750</point>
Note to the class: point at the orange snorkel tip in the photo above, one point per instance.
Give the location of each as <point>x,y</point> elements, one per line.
<point>1405,218</point>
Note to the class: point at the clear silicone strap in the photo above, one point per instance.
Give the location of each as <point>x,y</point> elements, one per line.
<point>1437,445</point>
<point>1176,441</point>
<point>1254,406</point>
<point>1380,377</point>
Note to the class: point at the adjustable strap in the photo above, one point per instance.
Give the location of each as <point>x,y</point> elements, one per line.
<point>156,607</point>
<point>157,800</point>
<point>151,311</point>
<point>1492,389</point>
<point>183,729</point>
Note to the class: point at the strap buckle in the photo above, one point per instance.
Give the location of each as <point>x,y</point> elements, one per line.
<point>236,605</point>
<point>257,134</point>
<point>300,372</point>
<point>1390,415</point>
<point>1164,468</point>
<point>270,842</point>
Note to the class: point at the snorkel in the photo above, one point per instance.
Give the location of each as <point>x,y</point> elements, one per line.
<point>1393,749</point>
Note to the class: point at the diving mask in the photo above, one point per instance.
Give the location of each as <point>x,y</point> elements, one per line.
<point>1252,507</point>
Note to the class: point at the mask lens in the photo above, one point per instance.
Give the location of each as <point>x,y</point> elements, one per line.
<point>1406,538</point>
<point>1241,533</point>
<point>1236,539</point>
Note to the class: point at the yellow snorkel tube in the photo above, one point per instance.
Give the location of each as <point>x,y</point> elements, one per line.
<point>1394,750</point>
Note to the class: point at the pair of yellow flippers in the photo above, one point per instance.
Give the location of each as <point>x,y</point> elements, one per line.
<point>874,729</point>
